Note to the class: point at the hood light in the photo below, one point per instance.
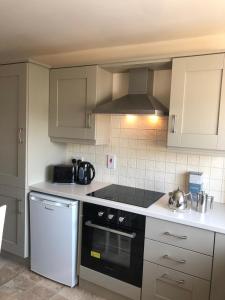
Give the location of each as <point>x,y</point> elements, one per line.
<point>131,118</point>
<point>153,119</point>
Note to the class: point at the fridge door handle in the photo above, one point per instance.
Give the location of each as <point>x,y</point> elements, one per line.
<point>55,204</point>
<point>46,206</point>
<point>52,200</point>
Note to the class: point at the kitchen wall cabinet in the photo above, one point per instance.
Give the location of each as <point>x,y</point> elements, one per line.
<point>175,265</point>
<point>25,149</point>
<point>197,102</point>
<point>74,92</point>
<point>218,274</point>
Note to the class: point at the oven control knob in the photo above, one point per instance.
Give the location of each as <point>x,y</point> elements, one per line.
<point>100,213</point>
<point>110,217</point>
<point>121,219</point>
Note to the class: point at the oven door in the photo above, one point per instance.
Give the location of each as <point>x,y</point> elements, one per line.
<point>113,252</point>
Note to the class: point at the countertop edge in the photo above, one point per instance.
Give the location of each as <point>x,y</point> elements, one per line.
<point>152,211</point>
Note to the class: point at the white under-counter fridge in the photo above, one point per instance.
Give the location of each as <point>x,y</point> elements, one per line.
<point>53,236</point>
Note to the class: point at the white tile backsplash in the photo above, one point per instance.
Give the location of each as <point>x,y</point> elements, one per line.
<point>144,161</point>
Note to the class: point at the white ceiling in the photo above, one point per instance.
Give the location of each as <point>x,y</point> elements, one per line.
<point>35,27</point>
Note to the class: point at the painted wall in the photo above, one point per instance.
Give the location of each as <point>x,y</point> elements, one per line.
<point>144,161</point>
<point>162,49</point>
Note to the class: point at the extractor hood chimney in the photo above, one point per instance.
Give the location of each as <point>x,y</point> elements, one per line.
<point>138,100</point>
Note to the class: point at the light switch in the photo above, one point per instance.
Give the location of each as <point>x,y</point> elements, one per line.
<point>111,161</point>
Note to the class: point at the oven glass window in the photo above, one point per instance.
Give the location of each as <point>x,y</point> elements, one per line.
<point>112,247</point>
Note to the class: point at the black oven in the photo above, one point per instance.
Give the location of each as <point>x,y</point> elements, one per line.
<point>113,242</point>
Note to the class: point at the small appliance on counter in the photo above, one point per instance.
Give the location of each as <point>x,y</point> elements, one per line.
<point>63,174</point>
<point>203,202</point>
<point>80,172</point>
<point>85,172</point>
<point>178,200</point>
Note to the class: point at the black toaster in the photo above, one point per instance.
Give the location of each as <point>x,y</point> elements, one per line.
<point>63,174</point>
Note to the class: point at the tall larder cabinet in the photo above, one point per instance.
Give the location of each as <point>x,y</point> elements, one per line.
<point>25,149</point>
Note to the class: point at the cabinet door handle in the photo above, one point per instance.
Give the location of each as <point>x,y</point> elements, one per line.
<point>182,237</point>
<point>179,261</point>
<point>88,119</point>
<point>20,139</point>
<point>166,276</point>
<point>173,124</point>
<point>19,210</point>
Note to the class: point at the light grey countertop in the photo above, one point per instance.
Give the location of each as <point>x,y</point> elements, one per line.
<point>213,220</point>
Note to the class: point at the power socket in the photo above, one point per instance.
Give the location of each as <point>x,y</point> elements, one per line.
<point>111,161</point>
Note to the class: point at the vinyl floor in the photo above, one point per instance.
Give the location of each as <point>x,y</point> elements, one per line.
<point>17,282</point>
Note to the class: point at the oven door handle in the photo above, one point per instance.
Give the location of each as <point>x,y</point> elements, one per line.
<point>129,235</point>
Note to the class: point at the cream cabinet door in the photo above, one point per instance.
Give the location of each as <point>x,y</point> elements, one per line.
<point>14,228</point>
<point>197,103</point>
<point>218,274</point>
<point>160,283</point>
<point>72,97</point>
<point>13,124</point>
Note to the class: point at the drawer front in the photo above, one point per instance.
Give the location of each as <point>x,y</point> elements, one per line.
<point>163,283</point>
<point>183,236</point>
<point>179,259</point>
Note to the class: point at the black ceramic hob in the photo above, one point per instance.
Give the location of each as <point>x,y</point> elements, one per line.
<point>127,195</point>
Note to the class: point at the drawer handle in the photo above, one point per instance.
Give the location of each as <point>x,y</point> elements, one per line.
<point>165,276</point>
<point>180,261</point>
<point>182,237</point>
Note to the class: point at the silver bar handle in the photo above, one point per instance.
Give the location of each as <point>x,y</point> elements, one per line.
<point>45,202</point>
<point>20,131</point>
<point>49,208</point>
<point>179,261</point>
<point>129,235</point>
<point>88,119</point>
<point>19,209</point>
<point>54,204</point>
<point>166,276</point>
<point>173,127</point>
<point>182,237</point>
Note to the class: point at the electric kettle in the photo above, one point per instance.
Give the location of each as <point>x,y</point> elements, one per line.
<point>85,172</point>
<point>178,200</point>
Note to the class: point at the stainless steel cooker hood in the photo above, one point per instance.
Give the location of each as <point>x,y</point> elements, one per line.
<point>138,100</point>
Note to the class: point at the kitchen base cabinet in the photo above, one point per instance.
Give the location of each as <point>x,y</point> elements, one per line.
<point>163,283</point>
<point>178,259</point>
<point>176,266</point>
<point>218,274</point>
<point>180,235</point>
<point>14,233</point>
